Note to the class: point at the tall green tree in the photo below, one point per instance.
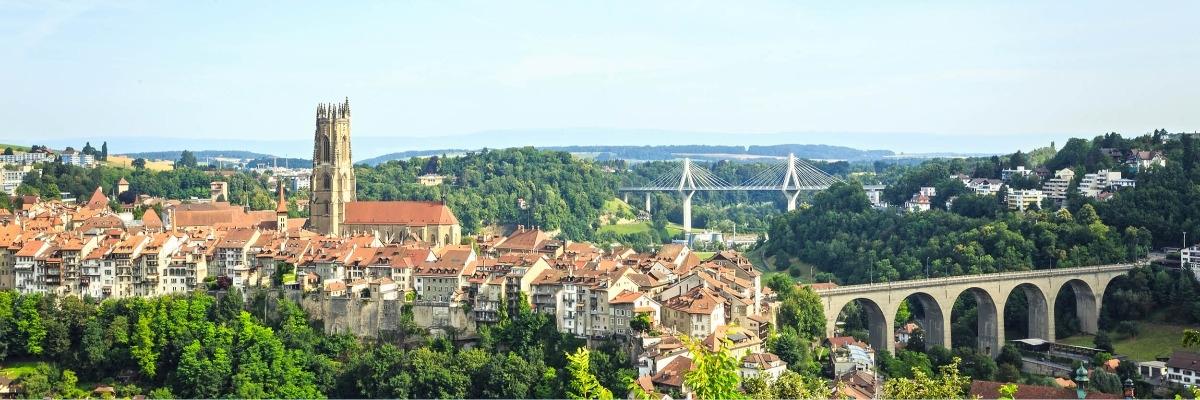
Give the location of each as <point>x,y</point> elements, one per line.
<point>582,384</point>
<point>948,385</point>
<point>187,159</point>
<point>714,373</point>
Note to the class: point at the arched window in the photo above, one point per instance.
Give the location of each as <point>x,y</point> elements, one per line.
<point>323,150</point>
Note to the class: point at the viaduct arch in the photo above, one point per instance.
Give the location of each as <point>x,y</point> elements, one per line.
<point>991,291</point>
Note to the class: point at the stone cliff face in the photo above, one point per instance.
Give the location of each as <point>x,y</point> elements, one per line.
<point>381,318</point>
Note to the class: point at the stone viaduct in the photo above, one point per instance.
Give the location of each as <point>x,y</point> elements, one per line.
<point>937,296</point>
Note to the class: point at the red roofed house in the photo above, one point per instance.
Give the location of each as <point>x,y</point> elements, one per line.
<point>670,378</point>
<point>696,313</point>
<point>628,304</point>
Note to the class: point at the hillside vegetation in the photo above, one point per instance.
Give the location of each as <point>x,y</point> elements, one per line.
<point>525,186</point>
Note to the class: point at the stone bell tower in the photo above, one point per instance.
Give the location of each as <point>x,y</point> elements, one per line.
<point>333,170</point>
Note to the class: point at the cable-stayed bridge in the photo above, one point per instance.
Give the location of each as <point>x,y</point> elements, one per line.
<point>790,177</point>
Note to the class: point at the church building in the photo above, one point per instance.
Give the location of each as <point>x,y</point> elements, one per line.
<point>334,206</point>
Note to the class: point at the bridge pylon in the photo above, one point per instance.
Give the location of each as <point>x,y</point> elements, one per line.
<point>791,177</point>
<point>687,188</point>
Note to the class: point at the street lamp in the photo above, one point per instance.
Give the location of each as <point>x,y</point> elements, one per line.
<point>1081,381</point>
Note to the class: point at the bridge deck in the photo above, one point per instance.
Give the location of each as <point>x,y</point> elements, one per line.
<point>733,188</point>
<point>932,282</point>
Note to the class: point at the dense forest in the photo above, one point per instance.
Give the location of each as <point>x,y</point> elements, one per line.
<point>842,235</point>
<point>49,180</point>
<point>551,190</point>
<point>200,346</point>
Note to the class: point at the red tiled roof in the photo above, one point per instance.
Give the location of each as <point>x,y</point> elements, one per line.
<point>412,213</point>
<point>151,220</point>
<point>30,248</point>
<point>625,297</point>
<point>523,239</point>
<point>699,300</point>
<point>672,373</point>
<point>98,199</point>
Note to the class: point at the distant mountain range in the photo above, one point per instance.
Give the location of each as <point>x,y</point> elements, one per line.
<point>201,155</point>
<point>606,143</point>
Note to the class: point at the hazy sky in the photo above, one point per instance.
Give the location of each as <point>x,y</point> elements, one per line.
<point>232,69</point>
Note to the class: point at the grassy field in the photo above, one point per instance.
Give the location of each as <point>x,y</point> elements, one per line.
<point>704,255</point>
<point>126,162</point>
<point>14,147</point>
<point>624,229</point>
<point>1155,340</point>
<point>15,369</point>
<point>617,207</point>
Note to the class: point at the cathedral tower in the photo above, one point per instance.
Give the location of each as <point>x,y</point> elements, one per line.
<point>333,172</point>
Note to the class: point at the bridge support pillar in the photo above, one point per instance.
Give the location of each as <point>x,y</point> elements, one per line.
<point>1040,314</point>
<point>1088,309</point>
<point>1050,335</point>
<point>791,198</point>
<point>687,212</point>
<point>625,197</point>
<point>647,202</point>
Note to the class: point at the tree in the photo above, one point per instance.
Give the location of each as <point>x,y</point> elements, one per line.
<point>161,393</point>
<point>36,384</point>
<point>714,373</point>
<point>582,384</point>
<point>641,323</point>
<point>791,385</point>
<point>948,385</point>
<point>755,386</point>
<point>144,351</point>
<point>1104,342</point>
<point>804,312</point>
<point>104,151</point>
<point>67,386</point>
<point>30,329</point>
<point>793,350</point>
<point>8,151</point>
<point>186,160</point>
<point>1008,391</point>
<point>139,163</point>
<point>1191,338</point>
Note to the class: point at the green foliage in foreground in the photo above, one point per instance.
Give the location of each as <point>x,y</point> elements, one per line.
<point>200,346</point>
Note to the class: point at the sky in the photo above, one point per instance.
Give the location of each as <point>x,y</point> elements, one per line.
<point>863,70</point>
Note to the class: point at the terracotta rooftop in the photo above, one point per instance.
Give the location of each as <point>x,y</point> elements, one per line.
<point>672,373</point>
<point>524,239</point>
<point>625,297</point>
<point>411,213</point>
<point>699,300</point>
<point>151,220</point>
<point>98,199</point>
<point>30,248</point>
